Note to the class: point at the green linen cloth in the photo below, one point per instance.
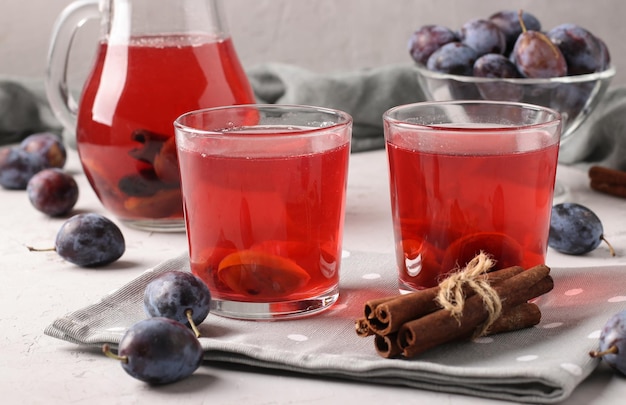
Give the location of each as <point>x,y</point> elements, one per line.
<point>364,93</point>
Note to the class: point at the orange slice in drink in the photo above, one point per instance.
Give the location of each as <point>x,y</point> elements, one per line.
<point>505,250</point>
<point>301,252</point>
<point>261,275</point>
<point>204,263</point>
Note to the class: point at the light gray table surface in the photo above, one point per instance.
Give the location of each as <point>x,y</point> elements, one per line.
<point>36,288</point>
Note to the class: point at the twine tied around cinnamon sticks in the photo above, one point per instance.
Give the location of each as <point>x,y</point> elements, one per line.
<point>451,294</point>
<point>470,303</point>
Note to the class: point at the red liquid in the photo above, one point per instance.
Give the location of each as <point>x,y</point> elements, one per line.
<point>270,230</point>
<point>448,207</point>
<point>129,103</point>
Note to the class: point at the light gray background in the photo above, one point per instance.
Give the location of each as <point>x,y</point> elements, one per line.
<point>323,35</point>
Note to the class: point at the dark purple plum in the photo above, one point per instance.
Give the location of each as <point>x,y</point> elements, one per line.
<point>17,166</point>
<point>605,55</point>
<point>496,66</point>
<point>178,295</point>
<point>48,145</point>
<point>158,351</point>
<point>453,58</point>
<point>90,240</point>
<point>571,98</point>
<point>427,39</point>
<point>613,342</point>
<point>537,57</point>
<point>508,22</point>
<point>464,91</point>
<point>144,184</point>
<point>52,191</point>
<point>575,229</point>
<point>483,36</point>
<point>579,47</point>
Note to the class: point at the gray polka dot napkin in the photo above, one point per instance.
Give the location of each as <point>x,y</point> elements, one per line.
<point>542,364</point>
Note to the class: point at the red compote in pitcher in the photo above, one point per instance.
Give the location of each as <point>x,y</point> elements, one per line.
<point>156,59</point>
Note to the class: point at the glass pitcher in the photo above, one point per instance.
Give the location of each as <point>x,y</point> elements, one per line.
<point>156,59</point>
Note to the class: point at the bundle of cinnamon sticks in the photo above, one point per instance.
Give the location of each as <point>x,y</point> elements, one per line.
<point>410,324</point>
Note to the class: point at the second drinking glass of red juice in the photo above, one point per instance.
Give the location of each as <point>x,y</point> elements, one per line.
<point>466,177</point>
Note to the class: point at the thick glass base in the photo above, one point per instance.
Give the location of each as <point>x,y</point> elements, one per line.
<point>405,288</point>
<point>275,310</point>
<point>156,225</point>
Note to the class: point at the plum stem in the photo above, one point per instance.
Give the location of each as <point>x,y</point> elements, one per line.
<point>189,314</point>
<point>106,349</point>
<point>611,350</point>
<point>34,249</point>
<point>520,15</point>
<point>611,249</point>
<point>541,36</point>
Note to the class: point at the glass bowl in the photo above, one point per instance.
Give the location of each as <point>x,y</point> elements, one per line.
<point>575,97</point>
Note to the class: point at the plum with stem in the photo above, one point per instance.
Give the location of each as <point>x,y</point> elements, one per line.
<point>612,345</point>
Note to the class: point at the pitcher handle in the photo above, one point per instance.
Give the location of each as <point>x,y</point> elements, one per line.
<point>62,103</point>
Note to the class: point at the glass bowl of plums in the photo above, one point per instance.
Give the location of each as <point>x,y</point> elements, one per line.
<point>509,56</point>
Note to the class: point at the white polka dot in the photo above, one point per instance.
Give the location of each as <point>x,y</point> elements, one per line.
<point>483,340</point>
<point>552,325</point>
<point>619,298</point>
<point>345,253</point>
<point>571,368</point>
<point>595,334</point>
<point>338,307</point>
<point>574,291</point>
<point>371,276</point>
<point>298,338</point>
<point>529,357</point>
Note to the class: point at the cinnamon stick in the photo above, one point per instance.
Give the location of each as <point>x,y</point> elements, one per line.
<point>521,316</point>
<point>391,314</point>
<point>362,328</point>
<point>387,345</point>
<point>436,328</point>
<point>370,306</point>
<point>608,181</point>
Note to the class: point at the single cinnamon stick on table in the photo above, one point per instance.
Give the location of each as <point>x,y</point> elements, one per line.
<point>608,181</point>
<point>436,328</point>
<point>390,315</point>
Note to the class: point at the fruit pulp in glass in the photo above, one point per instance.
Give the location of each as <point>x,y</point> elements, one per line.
<point>265,228</point>
<point>125,134</point>
<point>447,207</point>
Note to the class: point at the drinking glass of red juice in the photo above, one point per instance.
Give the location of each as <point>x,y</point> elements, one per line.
<point>264,198</point>
<point>466,177</point>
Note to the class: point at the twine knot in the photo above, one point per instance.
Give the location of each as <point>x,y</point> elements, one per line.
<point>451,295</point>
